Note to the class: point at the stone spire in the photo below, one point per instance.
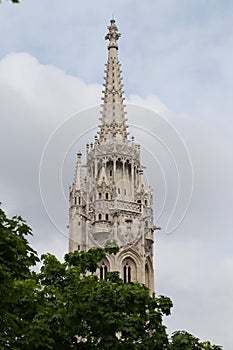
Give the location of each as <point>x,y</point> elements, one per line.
<point>113,121</point>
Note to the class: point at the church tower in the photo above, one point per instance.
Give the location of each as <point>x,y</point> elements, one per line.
<point>110,201</point>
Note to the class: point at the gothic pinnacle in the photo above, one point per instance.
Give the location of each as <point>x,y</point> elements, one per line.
<point>78,172</point>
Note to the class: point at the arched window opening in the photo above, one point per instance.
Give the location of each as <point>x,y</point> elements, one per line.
<point>129,169</point>
<point>127,273</point>
<point>146,202</point>
<point>103,271</point>
<point>129,270</point>
<point>106,217</point>
<point>75,200</point>
<point>110,172</point>
<point>100,195</point>
<point>106,195</point>
<point>147,276</point>
<point>79,200</point>
<point>100,217</point>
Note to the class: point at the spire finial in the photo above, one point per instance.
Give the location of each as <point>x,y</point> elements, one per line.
<point>112,21</point>
<point>113,34</point>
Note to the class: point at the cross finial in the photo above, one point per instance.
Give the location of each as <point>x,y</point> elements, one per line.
<point>112,35</point>
<point>112,21</point>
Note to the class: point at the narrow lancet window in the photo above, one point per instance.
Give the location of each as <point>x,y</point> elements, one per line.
<point>127,273</point>
<point>103,271</point>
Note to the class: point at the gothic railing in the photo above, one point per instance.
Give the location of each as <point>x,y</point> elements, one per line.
<point>101,205</point>
<point>125,205</point>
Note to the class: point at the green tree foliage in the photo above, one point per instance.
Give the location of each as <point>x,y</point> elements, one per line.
<point>183,340</point>
<point>66,306</point>
<point>16,279</point>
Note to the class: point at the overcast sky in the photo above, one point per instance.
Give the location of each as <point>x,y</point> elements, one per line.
<point>177,61</point>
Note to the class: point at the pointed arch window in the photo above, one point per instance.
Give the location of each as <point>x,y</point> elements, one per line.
<point>147,276</point>
<point>106,217</point>
<point>129,270</point>
<point>100,217</point>
<point>127,273</point>
<point>103,271</point>
<point>106,195</point>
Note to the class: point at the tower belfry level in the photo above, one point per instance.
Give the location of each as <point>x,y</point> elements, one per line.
<point>111,202</point>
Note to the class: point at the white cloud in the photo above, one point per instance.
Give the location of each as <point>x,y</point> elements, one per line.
<point>34,100</point>
<point>200,286</point>
<point>150,102</point>
<point>194,265</point>
<point>46,87</point>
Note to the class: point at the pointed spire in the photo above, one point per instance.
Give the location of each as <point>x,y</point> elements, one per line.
<point>78,172</point>
<point>113,121</point>
<point>141,185</point>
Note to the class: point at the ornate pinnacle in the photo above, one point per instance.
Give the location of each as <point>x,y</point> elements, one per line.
<point>112,35</point>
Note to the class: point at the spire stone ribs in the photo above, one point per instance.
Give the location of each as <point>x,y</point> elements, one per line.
<point>113,121</point>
